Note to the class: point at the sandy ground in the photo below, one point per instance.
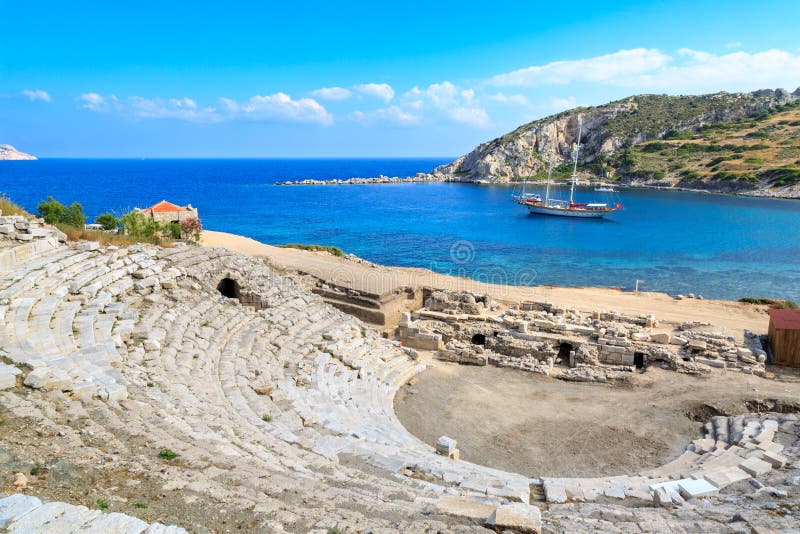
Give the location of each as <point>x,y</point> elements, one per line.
<point>540,426</point>
<point>729,317</point>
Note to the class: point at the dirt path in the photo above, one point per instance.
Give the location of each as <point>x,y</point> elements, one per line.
<point>539,426</point>
<point>730,317</point>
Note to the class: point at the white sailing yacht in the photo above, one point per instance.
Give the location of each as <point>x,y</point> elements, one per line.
<point>570,208</point>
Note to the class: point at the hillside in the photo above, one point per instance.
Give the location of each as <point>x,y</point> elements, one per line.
<point>731,142</point>
<point>8,152</point>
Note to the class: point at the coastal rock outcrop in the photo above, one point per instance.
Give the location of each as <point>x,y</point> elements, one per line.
<point>8,152</point>
<point>607,130</point>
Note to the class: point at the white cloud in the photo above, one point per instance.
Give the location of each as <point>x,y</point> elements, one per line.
<point>458,104</point>
<point>686,70</point>
<point>98,102</point>
<point>37,94</point>
<point>472,116</point>
<point>391,114</point>
<point>280,107</point>
<point>174,108</point>
<point>383,91</point>
<point>332,93</point>
<point>605,68</point>
<point>560,104</point>
<point>519,100</point>
<point>693,70</point>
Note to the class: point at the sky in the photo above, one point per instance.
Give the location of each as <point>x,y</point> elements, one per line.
<point>356,79</point>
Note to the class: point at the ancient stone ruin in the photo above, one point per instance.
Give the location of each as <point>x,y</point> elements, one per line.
<point>233,390</point>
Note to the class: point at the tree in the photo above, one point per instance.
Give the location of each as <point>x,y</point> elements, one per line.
<point>191,228</point>
<point>51,210</point>
<point>54,212</point>
<point>107,221</point>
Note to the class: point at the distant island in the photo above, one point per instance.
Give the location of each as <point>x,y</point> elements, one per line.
<point>9,153</point>
<point>743,143</point>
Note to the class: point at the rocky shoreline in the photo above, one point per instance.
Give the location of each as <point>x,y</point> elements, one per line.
<point>791,193</point>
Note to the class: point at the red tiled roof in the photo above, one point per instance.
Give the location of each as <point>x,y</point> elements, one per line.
<point>785,319</point>
<point>164,207</point>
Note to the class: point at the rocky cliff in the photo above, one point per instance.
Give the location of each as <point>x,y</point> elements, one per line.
<point>8,152</point>
<point>608,131</point>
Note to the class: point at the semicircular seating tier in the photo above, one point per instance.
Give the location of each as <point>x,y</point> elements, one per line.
<point>275,391</point>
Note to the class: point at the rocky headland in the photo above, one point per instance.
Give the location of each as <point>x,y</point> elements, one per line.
<point>9,153</point>
<point>744,143</point>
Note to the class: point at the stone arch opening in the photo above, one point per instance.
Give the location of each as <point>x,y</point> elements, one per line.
<point>563,351</point>
<point>478,339</point>
<point>229,288</point>
<point>638,360</point>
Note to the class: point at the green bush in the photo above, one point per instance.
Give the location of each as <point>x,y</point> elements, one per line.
<point>107,221</point>
<point>316,248</point>
<point>173,230</point>
<point>772,303</point>
<point>54,212</point>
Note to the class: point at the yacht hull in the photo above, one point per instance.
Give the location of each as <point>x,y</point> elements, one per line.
<point>569,212</point>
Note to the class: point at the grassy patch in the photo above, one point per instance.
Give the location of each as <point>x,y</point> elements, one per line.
<point>167,454</point>
<point>140,506</point>
<point>266,418</point>
<point>772,303</point>
<point>101,504</point>
<point>317,248</point>
<point>8,207</point>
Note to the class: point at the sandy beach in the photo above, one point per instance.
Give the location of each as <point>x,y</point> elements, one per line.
<point>729,316</point>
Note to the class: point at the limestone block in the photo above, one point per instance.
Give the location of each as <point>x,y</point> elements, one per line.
<point>690,489</point>
<point>518,517</point>
<point>445,446</point>
<point>775,459</point>
<point>6,229</point>
<point>755,467</point>
<point>8,376</point>
<point>151,345</point>
<point>702,446</point>
<point>47,379</point>
<point>88,246</point>
<point>697,344</point>
<point>662,338</point>
<point>24,237</point>
<point>639,336</point>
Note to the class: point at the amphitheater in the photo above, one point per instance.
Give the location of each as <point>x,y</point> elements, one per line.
<point>156,389</point>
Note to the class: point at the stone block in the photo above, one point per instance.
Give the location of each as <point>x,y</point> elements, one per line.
<point>24,237</point>
<point>517,517</point>
<point>755,467</point>
<point>446,446</point>
<point>697,344</point>
<point>775,459</point>
<point>689,489</point>
<point>47,379</point>
<point>6,229</point>
<point>662,338</point>
<point>88,246</point>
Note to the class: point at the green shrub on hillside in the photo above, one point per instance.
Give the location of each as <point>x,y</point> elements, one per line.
<point>54,212</point>
<point>107,221</point>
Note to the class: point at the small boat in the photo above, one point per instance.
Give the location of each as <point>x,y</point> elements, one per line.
<point>568,208</point>
<point>605,189</point>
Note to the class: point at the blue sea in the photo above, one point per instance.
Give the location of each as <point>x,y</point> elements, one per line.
<point>677,242</point>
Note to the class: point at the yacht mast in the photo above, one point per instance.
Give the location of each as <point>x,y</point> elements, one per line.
<point>549,172</point>
<point>575,162</point>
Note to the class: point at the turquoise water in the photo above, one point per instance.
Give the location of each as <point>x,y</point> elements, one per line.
<point>678,242</point>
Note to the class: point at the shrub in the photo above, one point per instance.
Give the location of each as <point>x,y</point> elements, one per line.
<point>191,228</point>
<point>103,505</point>
<point>140,505</point>
<point>107,221</point>
<point>266,418</point>
<point>772,303</point>
<point>166,454</point>
<point>140,227</point>
<point>54,212</point>
<point>173,230</point>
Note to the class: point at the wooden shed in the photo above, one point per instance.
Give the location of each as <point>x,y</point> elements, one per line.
<point>784,337</point>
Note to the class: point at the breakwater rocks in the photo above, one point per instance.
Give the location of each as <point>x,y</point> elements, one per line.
<point>417,178</point>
